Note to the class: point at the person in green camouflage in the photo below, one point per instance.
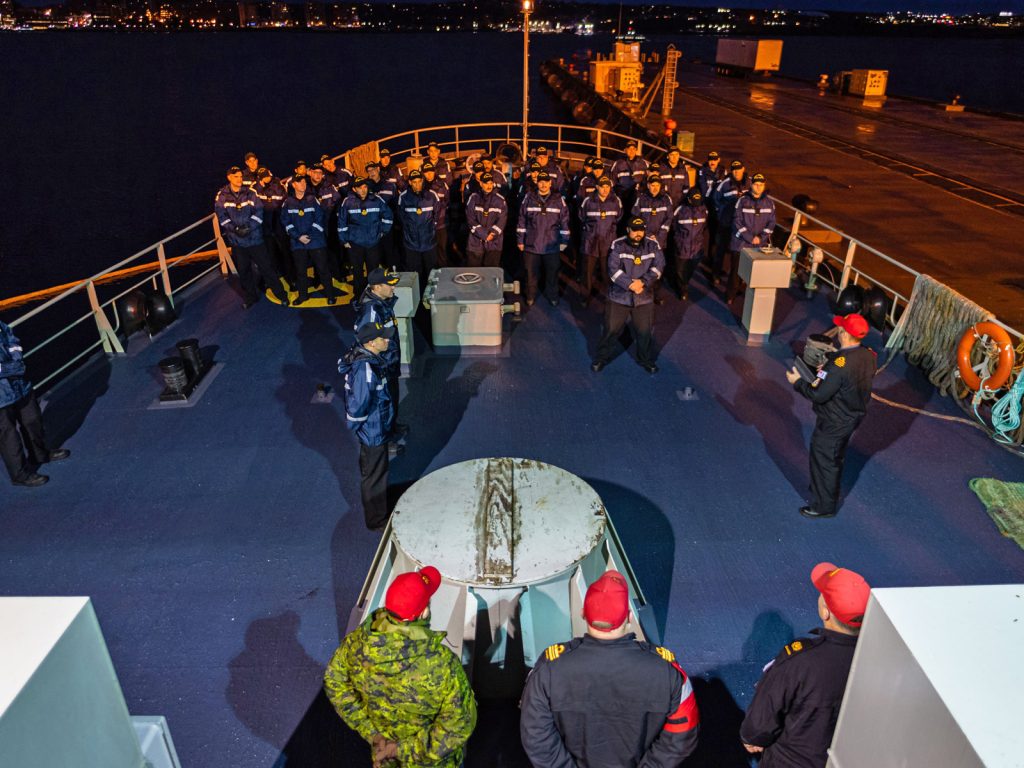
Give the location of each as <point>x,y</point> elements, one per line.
<point>395,684</point>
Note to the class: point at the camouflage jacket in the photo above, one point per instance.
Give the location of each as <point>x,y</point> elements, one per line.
<point>396,679</point>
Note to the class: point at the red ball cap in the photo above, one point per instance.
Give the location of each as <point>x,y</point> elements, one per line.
<point>855,325</point>
<point>845,592</point>
<point>410,592</point>
<point>606,605</point>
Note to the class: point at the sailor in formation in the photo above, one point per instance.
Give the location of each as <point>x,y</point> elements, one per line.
<point>441,165</point>
<point>419,209</point>
<point>675,176</point>
<point>250,173</point>
<point>305,222</point>
<point>377,305</point>
<point>726,195</point>
<point>486,218</point>
<point>600,213</point>
<point>440,188</point>
<point>752,226</point>
<point>364,220</point>
<point>627,173</point>
<point>689,238</point>
<point>239,213</point>
<point>541,235</point>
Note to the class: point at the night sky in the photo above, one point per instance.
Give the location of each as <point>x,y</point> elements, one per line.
<point>955,7</point>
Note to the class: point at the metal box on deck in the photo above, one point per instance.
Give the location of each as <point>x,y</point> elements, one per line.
<point>408,294</point>
<point>466,309</point>
<point>936,680</point>
<point>764,271</point>
<point>869,82</point>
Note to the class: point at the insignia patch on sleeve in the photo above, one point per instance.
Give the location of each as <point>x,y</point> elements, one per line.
<point>665,653</point>
<point>840,361</point>
<point>554,651</point>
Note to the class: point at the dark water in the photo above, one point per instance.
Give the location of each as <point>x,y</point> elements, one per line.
<point>111,141</point>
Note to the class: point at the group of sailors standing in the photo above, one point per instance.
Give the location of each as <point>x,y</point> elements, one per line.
<point>324,216</point>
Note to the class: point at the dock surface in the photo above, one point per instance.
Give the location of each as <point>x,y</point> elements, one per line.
<point>939,192</point>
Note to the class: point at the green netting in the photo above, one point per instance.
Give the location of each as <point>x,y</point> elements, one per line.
<point>1004,503</point>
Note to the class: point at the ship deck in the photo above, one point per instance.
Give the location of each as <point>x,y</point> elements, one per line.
<point>936,191</point>
<point>223,544</point>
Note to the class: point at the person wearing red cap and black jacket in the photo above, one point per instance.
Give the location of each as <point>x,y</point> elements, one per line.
<point>840,394</point>
<point>608,700</point>
<point>793,715</point>
<point>370,413</point>
<point>395,683</point>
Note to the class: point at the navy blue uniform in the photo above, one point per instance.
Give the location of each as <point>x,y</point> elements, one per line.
<point>241,222</point>
<point>727,194</point>
<point>362,225</point>
<point>370,413</point>
<point>306,217</point>
<point>656,213</point>
<point>371,308</point>
<point>676,180</point>
<point>629,261</point>
<point>600,219</point>
<point>18,409</point>
<point>620,703</point>
<point>840,395</point>
<point>796,704</point>
<point>486,215</point>
<point>689,236</point>
<point>754,217</point>
<point>708,181</point>
<point>419,212</point>
<point>542,234</point>
<point>443,192</point>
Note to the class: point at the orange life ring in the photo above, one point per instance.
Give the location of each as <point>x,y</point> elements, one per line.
<point>963,356</point>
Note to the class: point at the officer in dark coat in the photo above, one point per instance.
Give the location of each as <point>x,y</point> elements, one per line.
<point>600,214</point>
<point>689,234</point>
<point>635,265</point>
<point>840,394</point>
<point>364,220</point>
<point>419,209</point>
<point>19,409</point>
<point>607,700</point>
<point>541,235</point>
<point>377,305</point>
<point>793,715</point>
<point>370,413</point>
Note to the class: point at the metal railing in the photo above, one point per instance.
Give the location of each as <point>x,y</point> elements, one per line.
<point>168,274</point>
<point>571,142</point>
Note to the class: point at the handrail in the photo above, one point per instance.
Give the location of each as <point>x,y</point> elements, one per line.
<point>567,140</point>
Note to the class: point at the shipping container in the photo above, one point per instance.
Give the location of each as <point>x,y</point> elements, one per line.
<point>743,56</point>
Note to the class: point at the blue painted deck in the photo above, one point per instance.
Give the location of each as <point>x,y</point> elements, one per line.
<point>223,545</point>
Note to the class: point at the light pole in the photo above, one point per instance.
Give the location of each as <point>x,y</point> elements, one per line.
<point>527,10</point>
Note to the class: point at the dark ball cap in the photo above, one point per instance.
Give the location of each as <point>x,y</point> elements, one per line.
<point>759,177</point>
<point>673,151</point>
<point>324,157</point>
<point>250,154</point>
<point>372,331</point>
<point>631,144</point>
<point>478,166</point>
<point>372,164</point>
<point>262,173</point>
<point>317,167</point>
<point>415,175</point>
<point>533,167</point>
<point>735,165</point>
<point>654,179</point>
<point>542,150</point>
<point>233,170</point>
<point>486,177</point>
<point>381,276</point>
<point>543,176</point>
<point>297,178</point>
<point>428,167</point>
<point>385,153</point>
<point>300,164</point>
<point>433,144</point>
<point>359,181</point>
<point>588,163</point>
<point>713,155</point>
<point>637,224</point>
<point>695,197</point>
<point>604,181</point>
